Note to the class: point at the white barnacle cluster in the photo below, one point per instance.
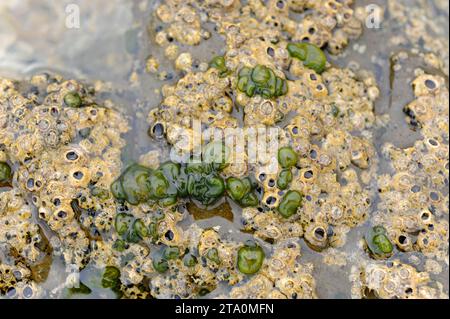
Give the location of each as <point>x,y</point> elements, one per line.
<point>325,22</point>
<point>64,158</point>
<point>394,279</point>
<point>416,190</point>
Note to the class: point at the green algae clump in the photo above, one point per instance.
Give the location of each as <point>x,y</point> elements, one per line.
<point>5,173</point>
<point>287,157</point>
<point>218,62</point>
<point>378,242</point>
<point>73,99</point>
<point>291,201</point>
<point>250,258</point>
<point>261,80</point>
<point>311,55</point>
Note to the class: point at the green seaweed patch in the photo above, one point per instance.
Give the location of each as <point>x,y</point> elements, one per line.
<point>378,243</point>
<point>161,258</point>
<point>284,179</point>
<point>73,99</point>
<point>290,203</point>
<point>212,255</point>
<point>312,56</point>
<point>5,173</point>
<point>261,80</point>
<point>241,191</point>
<point>250,258</point>
<point>111,280</point>
<point>82,289</point>
<point>287,157</point>
<point>131,229</point>
<point>218,62</point>
<point>171,181</point>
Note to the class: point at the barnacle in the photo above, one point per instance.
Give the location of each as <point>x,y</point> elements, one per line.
<point>396,280</point>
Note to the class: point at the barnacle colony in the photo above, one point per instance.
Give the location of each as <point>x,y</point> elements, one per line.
<point>67,194</point>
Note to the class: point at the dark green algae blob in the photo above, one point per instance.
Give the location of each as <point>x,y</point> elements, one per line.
<point>241,191</point>
<point>111,280</point>
<point>131,229</point>
<point>5,173</point>
<point>160,259</point>
<point>250,258</point>
<point>292,200</point>
<point>133,185</point>
<point>290,203</point>
<point>284,179</point>
<point>218,62</point>
<point>378,242</point>
<point>111,277</point>
<point>82,289</point>
<point>311,55</point>
<point>287,157</point>
<point>261,80</point>
<point>171,181</point>
<point>73,99</point>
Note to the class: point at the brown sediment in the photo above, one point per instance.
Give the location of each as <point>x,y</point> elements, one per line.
<point>223,210</point>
